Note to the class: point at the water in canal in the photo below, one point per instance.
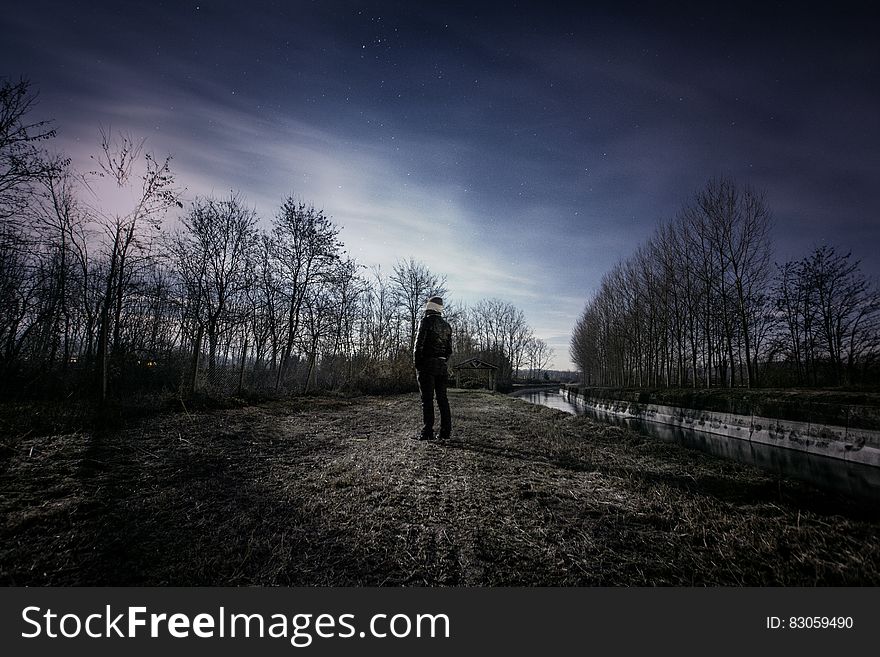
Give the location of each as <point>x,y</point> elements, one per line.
<point>854,479</point>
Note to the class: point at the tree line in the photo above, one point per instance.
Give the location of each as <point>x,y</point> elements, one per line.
<point>110,284</point>
<point>700,304</point>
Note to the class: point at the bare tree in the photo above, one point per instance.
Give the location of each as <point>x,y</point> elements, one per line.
<point>266,303</point>
<point>17,291</point>
<point>22,162</point>
<point>59,225</point>
<point>517,334</point>
<point>123,162</point>
<point>306,247</point>
<point>791,295</point>
<point>347,289</point>
<point>538,354</point>
<point>846,308</point>
<point>414,284</point>
<point>380,328</point>
<point>739,225</point>
<point>212,251</point>
<point>319,324</point>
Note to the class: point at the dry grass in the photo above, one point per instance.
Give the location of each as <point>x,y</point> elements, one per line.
<point>329,491</point>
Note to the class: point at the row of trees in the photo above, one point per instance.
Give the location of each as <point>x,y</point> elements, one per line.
<point>108,299</point>
<point>699,304</point>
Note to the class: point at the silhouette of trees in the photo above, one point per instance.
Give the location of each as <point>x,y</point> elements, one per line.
<point>497,331</point>
<point>212,253</point>
<point>538,356</point>
<point>828,314</point>
<point>97,299</point>
<point>696,306</point>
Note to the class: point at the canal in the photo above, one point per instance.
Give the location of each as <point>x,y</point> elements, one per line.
<point>853,479</point>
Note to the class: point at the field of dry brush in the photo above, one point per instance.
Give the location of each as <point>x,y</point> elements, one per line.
<point>333,491</point>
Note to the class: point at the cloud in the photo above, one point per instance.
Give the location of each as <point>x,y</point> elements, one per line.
<point>521,153</point>
<point>385,214</point>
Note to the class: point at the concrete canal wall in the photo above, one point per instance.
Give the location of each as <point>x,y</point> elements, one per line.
<point>809,427</point>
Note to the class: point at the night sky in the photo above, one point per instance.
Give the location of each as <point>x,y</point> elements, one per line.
<point>521,149</point>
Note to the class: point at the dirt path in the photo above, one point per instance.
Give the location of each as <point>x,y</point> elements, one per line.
<point>330,491</point>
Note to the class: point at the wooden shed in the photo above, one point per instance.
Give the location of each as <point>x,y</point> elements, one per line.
<point>475,366</point>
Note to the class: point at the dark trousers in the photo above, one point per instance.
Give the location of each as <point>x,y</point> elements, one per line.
<point>429,385</point>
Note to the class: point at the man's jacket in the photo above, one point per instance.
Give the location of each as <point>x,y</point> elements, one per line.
<point>434,340</point>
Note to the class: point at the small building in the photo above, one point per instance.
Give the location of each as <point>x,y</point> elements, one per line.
<point>474,366</point>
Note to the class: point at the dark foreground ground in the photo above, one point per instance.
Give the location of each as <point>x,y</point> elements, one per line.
<point>330,491</point>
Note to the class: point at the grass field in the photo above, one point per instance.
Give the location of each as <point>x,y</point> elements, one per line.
<point>333,491</point>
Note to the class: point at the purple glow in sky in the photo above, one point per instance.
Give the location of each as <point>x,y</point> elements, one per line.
<point>520,149</point>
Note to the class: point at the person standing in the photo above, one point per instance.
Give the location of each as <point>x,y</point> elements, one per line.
<point>430,357</point>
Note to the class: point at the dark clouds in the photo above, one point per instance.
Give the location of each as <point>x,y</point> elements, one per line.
<point>520,148</point>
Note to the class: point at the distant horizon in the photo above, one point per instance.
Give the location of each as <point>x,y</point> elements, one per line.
<point>521,153</point>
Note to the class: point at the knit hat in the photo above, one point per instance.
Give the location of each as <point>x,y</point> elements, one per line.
<point>434,303</point>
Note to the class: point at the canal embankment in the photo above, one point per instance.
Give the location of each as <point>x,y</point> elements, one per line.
<point>833,424</point>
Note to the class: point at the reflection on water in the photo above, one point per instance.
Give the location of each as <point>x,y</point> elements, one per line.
<point>550,398</point>
<point>855,479</point>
